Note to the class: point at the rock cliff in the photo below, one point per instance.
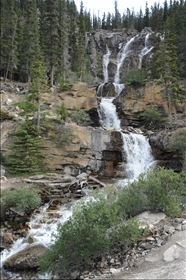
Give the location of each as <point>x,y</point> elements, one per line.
<point>92,148</point>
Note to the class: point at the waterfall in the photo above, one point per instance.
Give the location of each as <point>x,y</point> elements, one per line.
<point>136,147</point>
<point>138,153</point>
<point>105,64</point>
<point>125,50</point>
<point>145,50</point>
<point>107,114</point>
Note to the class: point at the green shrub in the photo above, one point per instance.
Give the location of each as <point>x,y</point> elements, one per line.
<point>27,106</point>
<point>135,77</point>
<point>4,115</point>
<point>62,112</point>
<point>64,138</point>
<point>24,199</point>
<point>157,191</point>
<point>64,84</point>
<point>80,117</point>
<point>99,224</point>
<point>178,142</point>
<point>26,151</point>
<point>151,115</point>
<point>95,228</point>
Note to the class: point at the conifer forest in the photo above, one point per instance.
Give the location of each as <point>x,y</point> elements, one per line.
<point>52,34</point>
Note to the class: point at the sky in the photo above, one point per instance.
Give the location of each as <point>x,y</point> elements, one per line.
<point>108,5</point>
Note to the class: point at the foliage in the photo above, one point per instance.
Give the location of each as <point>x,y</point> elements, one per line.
<point>25,155</point>
<point>26,106</point>
<point>157,191</point>
<point>4,115</point>
<point>74,242</point>
<point>58,28</point>
<point>135,77</point>
<point>64,84</point>
<point>178,142</point>
<point>108,215</point>
<point>80,117</point>
<point>24,199</point>
<point>62,112</point>
<point>64,138</point>
<point>152,115</point>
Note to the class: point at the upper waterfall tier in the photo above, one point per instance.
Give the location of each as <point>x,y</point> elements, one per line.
<point>119,52</point>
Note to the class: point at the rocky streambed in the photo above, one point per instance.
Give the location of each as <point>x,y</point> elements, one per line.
<point>167,236</point>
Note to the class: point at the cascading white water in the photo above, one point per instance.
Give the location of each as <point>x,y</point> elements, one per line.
<point>138,153</point>
<point>107,114</point>
<point>105,64</point>
<point>145,50</point>
<point>125,50</point>
<point>136,146</point>
<point>42,226</point>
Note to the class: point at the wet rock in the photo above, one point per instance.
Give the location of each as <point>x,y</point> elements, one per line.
<point>169,229</point>
<point>26,259</point>
<point>8,237</point>
<point>172,253</point>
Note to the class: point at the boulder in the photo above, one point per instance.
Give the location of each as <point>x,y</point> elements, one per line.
<point>26,259</point>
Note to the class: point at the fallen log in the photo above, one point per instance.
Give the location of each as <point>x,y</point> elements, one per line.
<point>97,181</point>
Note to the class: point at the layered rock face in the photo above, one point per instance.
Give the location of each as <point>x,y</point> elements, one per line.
<point>132,42</point>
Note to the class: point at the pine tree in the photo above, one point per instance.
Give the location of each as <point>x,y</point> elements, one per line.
<point>25,155</point>
<point>50,31</point>
<point>165,67</point>
<point>29,39</point>
<point>64,22</point>
<point>8,55</point>
<point>38,86</point>
<point>146,17</point>
<point>81,52</point>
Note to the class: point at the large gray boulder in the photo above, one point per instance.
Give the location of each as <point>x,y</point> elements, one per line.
<point>26,259</point>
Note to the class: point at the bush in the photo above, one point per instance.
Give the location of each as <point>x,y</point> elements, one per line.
<point>151,115</point>
<point>4,115</point>
<point>64,138</point>
<point>156,191</point>
<point>23,199</point>
<point>178,142</point>
<point>64,84</point>
<point>99,224</point>
<point>76,245</point>
<point>62,112</point>
<point>80,117</point>
<point>135,77</point>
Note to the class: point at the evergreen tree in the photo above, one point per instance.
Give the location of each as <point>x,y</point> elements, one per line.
<point>8,55</point>
<point>29,43</point>
<point>64,22</point>
<point>25,155</point>
<point>146,17</point>
<point>38,86</point>
<point>81,52</point>
<point>50,30</point>
<point>116,19</point>
<point>165,67</point>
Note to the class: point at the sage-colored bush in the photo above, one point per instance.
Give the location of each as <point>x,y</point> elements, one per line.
<point>107,219</point>
<point>152,115</point>
<point>24,199</point>
<point>135,77</point>
<point>95,228</point>
<point>62,112</point>
<point>178,142</point>
<point>64,138</point>
<point>80,117</point>
<point>163,190</point>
